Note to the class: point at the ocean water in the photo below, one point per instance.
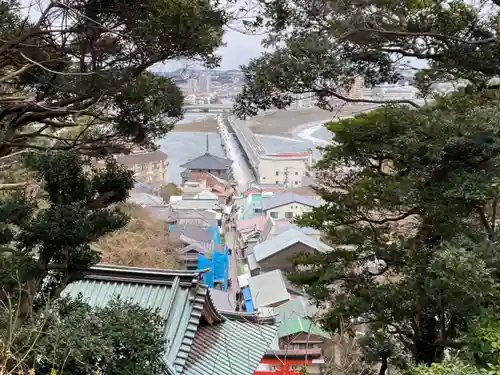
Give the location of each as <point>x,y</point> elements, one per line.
<point>184,146</point>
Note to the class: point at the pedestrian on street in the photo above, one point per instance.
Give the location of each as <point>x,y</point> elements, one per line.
<point>230,251</point>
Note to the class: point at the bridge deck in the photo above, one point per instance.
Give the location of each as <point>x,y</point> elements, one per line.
<point>251,146</point>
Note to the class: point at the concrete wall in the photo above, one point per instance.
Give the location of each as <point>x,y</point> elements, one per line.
<point>283,212</point>
<point>281,260</point>
<point>283,170</point>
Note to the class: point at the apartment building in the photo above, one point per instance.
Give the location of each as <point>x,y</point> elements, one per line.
<point>149,167</point>
<point>284,168</point>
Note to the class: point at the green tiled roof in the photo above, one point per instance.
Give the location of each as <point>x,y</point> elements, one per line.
<point>183,301</point>
<point>292,326</point>
<point>296,316</point>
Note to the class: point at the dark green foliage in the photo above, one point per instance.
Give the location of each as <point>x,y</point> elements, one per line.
<point>46,241</point>
<point>92,79</point>
<point>119,338</point>
<point>421,206</point>
<point>322,45</point>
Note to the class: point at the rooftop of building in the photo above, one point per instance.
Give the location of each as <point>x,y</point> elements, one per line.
<point>207,162</point>
<point>202,340</point>
<point>141,157</point>
<point>281,199</point>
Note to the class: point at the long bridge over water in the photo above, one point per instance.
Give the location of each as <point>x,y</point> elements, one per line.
<point>246,138</point>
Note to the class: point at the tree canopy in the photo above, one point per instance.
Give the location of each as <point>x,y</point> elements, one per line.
<point>71,337</point>
<point>141,243</point>
<point>413,194</point>
<point>320,47</point>
<point>80,66</point>
<point>410,190</point>
<point>45,239</point>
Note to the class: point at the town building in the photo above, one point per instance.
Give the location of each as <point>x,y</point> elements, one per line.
<point>288,205</point>
<point>357,88</point>
<point>149,167</point>
<point>192,241</point>
<point>205,82</point>
<point>196,182</point>
<point>298,331</point>
<point>208,163</point>
<point>251,205</point>
<point>287,362</point>
<point>201,339</point>
<point>276,252</point>
<point>286,168</point>
<point>192,85</point>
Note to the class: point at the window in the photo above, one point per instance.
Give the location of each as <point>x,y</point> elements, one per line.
<point>296,173</point>
<point>257,210</point>
<point>277,182</point>
<point>277,173</point>
<point>289,215</point>
<point>274,215</point>
<point>296,182</point>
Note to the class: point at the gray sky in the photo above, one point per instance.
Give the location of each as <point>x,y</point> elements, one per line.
<point>239,49</point>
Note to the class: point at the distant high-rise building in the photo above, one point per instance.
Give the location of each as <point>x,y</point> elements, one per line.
<point>192,85</point>
<point>205,82</point>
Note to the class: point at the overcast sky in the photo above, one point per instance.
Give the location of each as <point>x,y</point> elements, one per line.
<point>239,49</point>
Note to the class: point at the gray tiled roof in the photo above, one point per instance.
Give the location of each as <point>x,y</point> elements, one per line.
<point>283,226</point>
<point>208,162</point>
<point>196,204</point>
<point>283,241</point>
<point>281,199</point>
<point>145,199</point>
<point>224,301</point>
<point>268,289</point>
<point>192,231</point>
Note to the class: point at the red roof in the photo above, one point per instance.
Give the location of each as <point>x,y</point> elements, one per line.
<point>213,182</point>
<point>255,222</point>
<point>290,154</point>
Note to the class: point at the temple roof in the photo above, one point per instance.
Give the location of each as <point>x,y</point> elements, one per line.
<point>199,336</point>
<point>207,162</point>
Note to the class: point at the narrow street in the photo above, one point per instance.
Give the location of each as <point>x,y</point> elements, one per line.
<point>234,262</point>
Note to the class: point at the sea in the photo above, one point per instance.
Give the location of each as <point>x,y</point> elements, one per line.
<point>184,146</point>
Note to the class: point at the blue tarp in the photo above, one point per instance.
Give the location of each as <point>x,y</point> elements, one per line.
<point>248,300</point>
<point>219,263</point>
<point>208,277</point>
<point>215,233</point>
<point>221,267</point>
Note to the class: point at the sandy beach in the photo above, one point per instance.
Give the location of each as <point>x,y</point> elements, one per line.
<point>281,123</point>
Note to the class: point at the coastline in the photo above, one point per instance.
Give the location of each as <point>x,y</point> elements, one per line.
<point>290,124</point>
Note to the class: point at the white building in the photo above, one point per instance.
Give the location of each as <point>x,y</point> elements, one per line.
<point>285,168</point>
<point>205,82</point>
<point>287,206</point>
<point>192,85</point>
